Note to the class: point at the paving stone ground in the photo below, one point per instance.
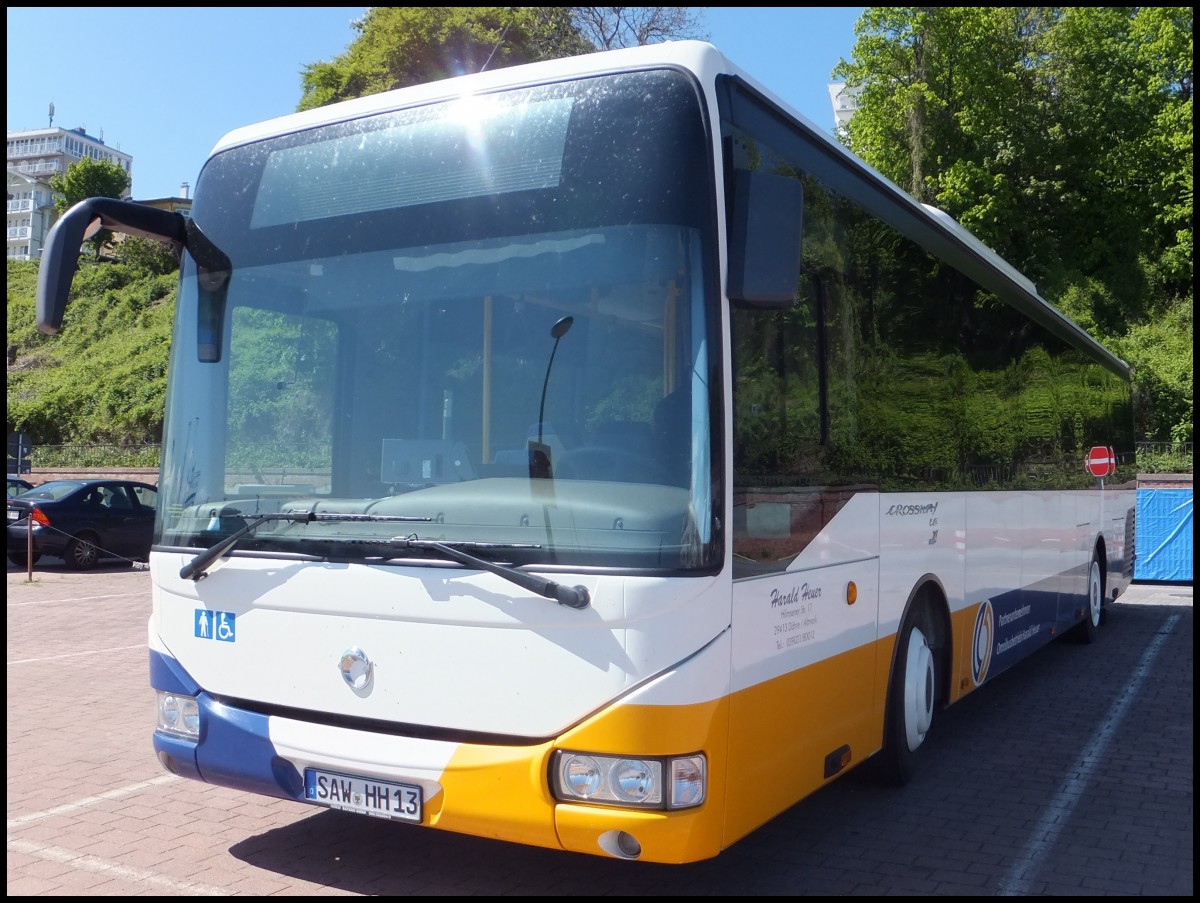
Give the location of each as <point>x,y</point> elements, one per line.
<point>1070,775</point>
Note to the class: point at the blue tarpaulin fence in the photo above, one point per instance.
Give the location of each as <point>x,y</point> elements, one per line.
<point>1164,535</point>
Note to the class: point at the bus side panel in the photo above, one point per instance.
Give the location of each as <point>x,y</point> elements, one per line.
<point>805,686</point>
<point>922,536</point>
<point>1028,554</point>
<point>1014,570</point>
<point>1082,509</point>
<point>987,534</point>
<point>1105,516</point>
<point>923,544</point>
<point>975,645</point>
<point>782,732</point>
<point>1049,539</point>
<point>1120,507</point>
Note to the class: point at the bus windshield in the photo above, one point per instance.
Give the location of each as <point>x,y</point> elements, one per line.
<point>487,321</point>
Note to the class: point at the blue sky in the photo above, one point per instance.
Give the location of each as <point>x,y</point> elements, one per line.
<point>164,84</point>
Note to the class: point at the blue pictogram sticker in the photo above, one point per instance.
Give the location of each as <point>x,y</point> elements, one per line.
<point>216,625</point>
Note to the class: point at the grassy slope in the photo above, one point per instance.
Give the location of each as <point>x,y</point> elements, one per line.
<point>102,379</point>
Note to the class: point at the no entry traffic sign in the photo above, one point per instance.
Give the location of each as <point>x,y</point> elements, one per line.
<point>1101,461</point>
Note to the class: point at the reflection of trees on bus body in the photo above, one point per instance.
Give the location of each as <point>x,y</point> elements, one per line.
<point>896,370</point>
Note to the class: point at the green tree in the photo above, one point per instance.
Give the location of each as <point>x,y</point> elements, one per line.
<point>147,254</point>
<point>1062,137</point>
<point>401,46</point>
<point>90,178</point>
<point>952,109</point>
<point>1162,37</point>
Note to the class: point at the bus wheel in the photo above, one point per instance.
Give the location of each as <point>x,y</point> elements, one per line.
<point>912,694</point>
<point>1088,630</point>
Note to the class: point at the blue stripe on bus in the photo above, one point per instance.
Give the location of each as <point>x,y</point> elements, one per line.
<point>1018,633</point>
<point>235,749</point>
<point>168,675</point>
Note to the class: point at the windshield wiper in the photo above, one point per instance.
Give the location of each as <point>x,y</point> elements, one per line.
<point>195,569</point>
<point>570,596</point>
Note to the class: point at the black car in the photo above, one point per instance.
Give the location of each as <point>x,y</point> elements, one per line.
<point>82,522</point>
<point>16,485</point>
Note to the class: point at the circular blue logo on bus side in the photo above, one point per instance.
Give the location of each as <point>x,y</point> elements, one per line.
<point>981,647</point>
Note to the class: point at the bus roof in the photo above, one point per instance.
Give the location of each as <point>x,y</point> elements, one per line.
<point>698,57</point>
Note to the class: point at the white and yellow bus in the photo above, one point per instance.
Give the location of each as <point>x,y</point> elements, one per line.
<point>594,454</point>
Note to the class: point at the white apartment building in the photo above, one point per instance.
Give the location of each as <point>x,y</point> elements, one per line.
<point>33,157</point>
<point>845,102</point>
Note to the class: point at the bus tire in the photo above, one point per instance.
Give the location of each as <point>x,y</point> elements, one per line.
<point>912,698</point>
<point>1088,630</point>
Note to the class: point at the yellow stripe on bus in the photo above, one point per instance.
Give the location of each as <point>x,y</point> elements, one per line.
<point>782,731</point>
<point>503,792</point>
<point>771,741</point>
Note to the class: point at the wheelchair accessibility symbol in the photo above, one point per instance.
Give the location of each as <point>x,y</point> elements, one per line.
<point>216,625</point>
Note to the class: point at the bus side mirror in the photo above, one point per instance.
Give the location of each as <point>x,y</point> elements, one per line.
<point>60,254</point>
<point>766,219</point>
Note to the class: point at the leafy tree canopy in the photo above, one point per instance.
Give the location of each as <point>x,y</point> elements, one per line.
<point>90,178</point>
<point>148,255</point>
<point>1061,137</point>
<point>402,46</point>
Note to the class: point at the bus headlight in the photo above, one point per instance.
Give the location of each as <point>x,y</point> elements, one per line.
<point>178,715</point>
<point>653,783</point>
<point>580,776</point>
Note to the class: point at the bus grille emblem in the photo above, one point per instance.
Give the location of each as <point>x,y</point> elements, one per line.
<point>356,668</point>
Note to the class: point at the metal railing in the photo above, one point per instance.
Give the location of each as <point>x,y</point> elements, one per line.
<point>1164,457</point>
<point>39,167</point>
<point>60,457</point>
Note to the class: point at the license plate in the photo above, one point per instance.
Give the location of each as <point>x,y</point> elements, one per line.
<point>366,796</point>
<point>13,514</point>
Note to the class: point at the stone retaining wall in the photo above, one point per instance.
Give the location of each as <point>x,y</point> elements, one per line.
<point>141,474</point>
